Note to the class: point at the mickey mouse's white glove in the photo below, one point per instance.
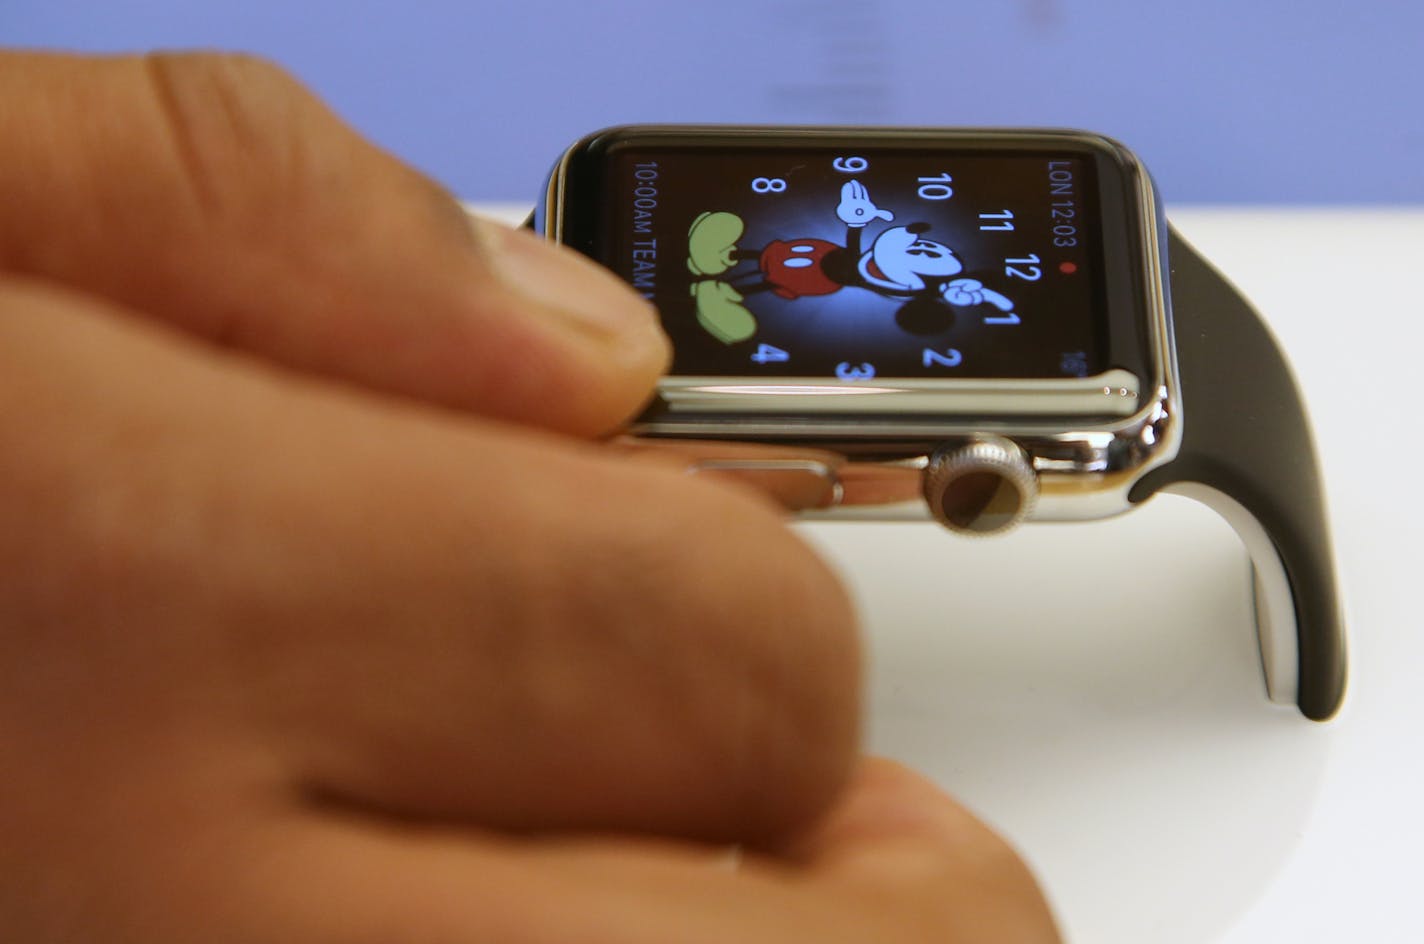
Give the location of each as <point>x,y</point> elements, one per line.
<point>973,292</point>
<point>856,208</point>
<point>964,292</point>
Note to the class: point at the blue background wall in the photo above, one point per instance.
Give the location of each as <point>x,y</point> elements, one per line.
<point>1254,101</point>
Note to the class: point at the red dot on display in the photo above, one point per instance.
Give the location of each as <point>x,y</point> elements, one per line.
<point>1067,268</point>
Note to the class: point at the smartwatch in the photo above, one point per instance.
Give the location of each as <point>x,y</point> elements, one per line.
<point>975,326</point>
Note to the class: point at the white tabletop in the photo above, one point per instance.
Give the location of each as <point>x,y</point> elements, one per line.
<point>1095,691</point>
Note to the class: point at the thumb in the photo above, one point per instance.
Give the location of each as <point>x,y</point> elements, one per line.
<point>215,193</point>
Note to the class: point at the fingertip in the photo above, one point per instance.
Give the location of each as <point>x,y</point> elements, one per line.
<point>585,295</point>
<point>595,347</point>
<point>888,806</point>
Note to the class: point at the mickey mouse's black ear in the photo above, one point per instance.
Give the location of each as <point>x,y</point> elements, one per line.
<point>924,316</point>
<point>918,228</point>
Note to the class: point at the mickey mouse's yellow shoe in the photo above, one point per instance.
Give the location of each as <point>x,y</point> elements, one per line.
<point>721,313</point>
<point>710,241</point>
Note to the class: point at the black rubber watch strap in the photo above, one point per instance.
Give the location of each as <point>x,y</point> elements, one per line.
<point>1246,435</point>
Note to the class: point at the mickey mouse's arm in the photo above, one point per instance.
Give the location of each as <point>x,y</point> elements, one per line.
<point>852,239</point>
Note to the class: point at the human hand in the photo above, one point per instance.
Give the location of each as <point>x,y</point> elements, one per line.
<point>326,618</point>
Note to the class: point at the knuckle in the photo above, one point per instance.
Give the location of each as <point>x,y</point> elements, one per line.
<point>234,64</point>
<point>772,679</point>
<point>223,78</point>
<point>233,120</point>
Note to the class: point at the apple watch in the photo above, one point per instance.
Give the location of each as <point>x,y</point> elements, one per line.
<point>978,326</point>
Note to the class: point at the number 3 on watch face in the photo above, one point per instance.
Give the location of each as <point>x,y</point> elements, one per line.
<point>845,371</point>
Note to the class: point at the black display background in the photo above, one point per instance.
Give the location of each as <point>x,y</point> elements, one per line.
<point>1058,332</point>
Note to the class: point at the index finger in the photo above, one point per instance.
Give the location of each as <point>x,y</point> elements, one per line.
<point>419,614</point>
<point>216,194</point>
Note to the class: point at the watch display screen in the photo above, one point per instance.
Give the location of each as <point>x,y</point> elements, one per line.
<point>850,263</point>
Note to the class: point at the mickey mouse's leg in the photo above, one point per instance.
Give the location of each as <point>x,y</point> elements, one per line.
<point>712,243</point>
<point>721,313</point>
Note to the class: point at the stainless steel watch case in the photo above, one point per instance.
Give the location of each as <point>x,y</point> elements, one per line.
<point>882,429</point>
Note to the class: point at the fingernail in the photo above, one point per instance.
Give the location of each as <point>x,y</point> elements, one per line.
<point>576,288</point>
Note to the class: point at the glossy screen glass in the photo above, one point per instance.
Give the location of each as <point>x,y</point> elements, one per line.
<point>851,263</point>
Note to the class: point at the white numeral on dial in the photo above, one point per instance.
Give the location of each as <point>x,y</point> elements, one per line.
<point>1031,272</point>
<point>950,358</point>
<point>1003,220</point>
<point>766,354</point>
<point>845,371</point>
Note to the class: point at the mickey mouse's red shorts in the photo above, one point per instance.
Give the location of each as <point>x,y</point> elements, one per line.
<point>793,269</point>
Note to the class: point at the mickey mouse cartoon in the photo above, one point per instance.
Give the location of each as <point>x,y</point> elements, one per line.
<point>900,263</point>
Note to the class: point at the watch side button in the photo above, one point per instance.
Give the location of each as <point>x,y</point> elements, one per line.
<point>797,484</point>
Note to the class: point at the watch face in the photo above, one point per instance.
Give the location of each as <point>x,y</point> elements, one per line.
<point>844,259</point>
